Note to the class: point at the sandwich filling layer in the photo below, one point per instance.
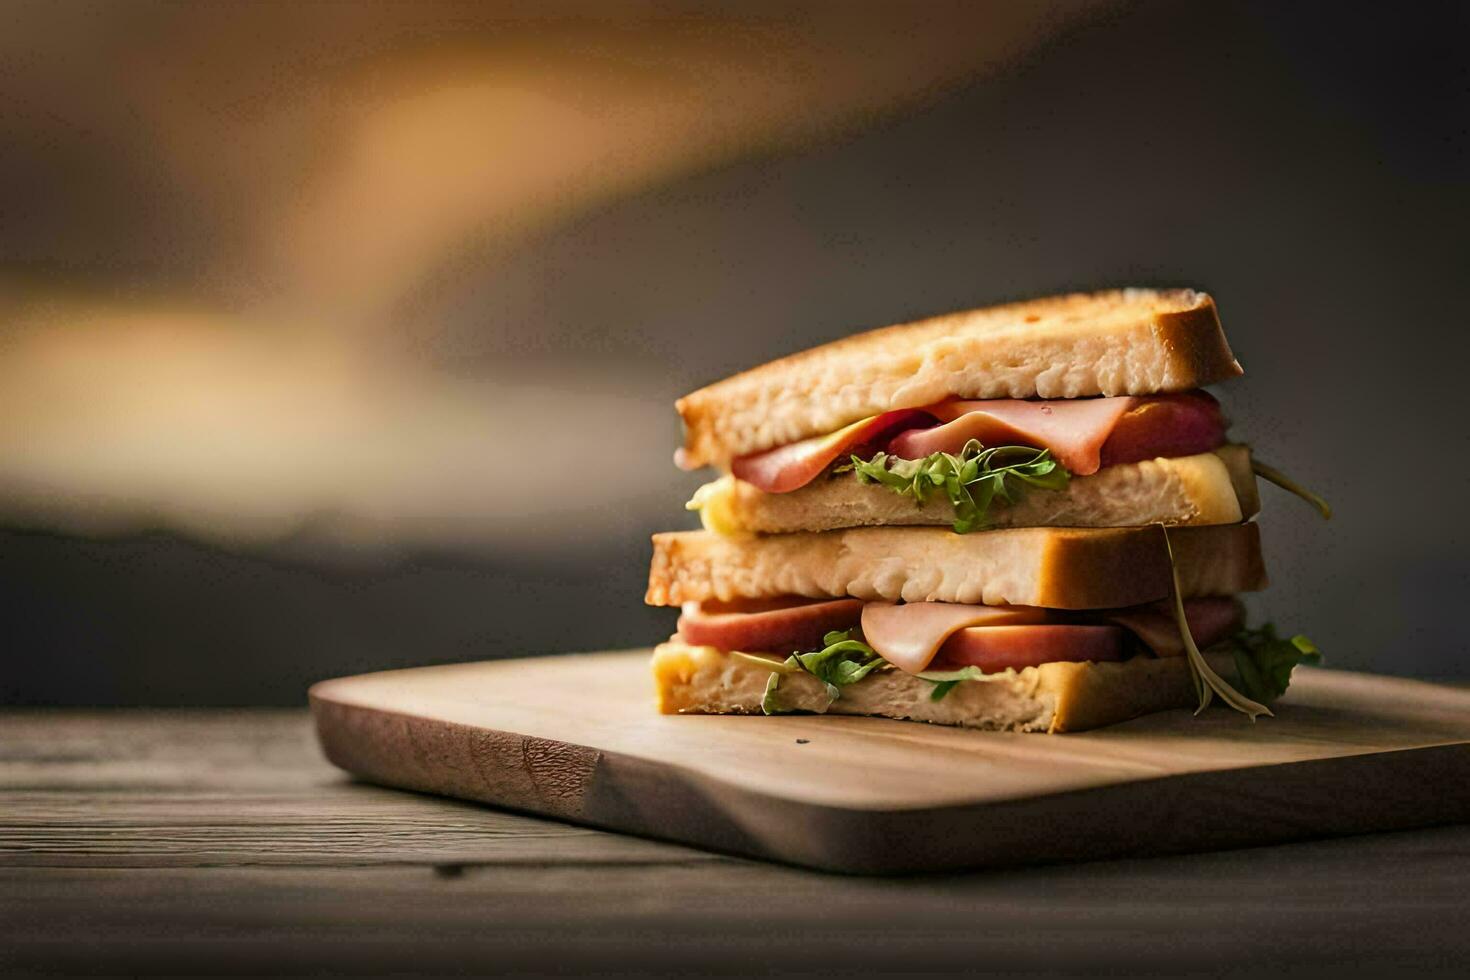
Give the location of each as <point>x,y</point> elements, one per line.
<point>917,636</point>
<point>1209,488</point>
<point>925,652</point>
<point>975,461</point>
<point>1082,434</point>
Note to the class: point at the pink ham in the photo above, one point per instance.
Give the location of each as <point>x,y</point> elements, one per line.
<point>1166,425</point>
<point>998,648</point>
<point>770,626</point>
<point>1210,621</point>
<point>1073,429</point>
<point>1084,434</point>
<point>909,635</point>
<point>793,466</point>
<point>1080,432</point>
<point>919,635</point>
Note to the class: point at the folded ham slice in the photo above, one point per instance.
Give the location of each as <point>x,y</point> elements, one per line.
<point>918,636</point>
<point>1084,434</point>
<point>793,466</point>
<point>1073,429</point>
<point>909,635</point>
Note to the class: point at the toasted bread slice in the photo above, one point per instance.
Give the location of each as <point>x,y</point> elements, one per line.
<point>1061,568</point>
<point>1210,488</point>
<point>1120,342</point>
<point>1055,697</point>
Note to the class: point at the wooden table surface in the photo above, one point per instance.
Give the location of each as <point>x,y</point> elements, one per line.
<point>220,842</point>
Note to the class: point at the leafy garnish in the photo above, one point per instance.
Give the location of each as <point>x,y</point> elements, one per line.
<point>944,681</point>
<point>777,668</point>
<point>776,665</point>
<point>768,700</point>
<point>1207,683</point>
<point>840,662</point>
<point>1265,661</point>
<point>972,481</point>
<point>1268,472</point>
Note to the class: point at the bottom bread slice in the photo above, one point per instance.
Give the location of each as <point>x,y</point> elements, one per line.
<point>1054,697</point>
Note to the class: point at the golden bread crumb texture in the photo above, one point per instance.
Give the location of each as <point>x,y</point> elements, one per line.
<point>1055,697</point>
<point>1118,342</point>
<point>1209,488</point>
<point>1060,568</point>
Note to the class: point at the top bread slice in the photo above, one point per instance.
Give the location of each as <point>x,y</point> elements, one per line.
<point>1119,342</point>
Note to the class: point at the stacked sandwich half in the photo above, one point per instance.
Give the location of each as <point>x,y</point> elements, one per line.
<point>1027,518</point>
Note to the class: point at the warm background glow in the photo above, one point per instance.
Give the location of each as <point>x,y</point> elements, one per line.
<point>336,336</point>
<point>276,201</point>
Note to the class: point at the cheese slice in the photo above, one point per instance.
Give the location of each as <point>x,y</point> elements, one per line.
<point>909,635</point>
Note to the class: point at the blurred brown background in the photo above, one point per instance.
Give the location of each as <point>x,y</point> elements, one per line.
<point>336,337</point>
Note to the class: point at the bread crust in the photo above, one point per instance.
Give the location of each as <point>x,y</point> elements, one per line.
<point>1117,342</point>
<point>1055,697</point>
<point>1062,568</point>
<point>1188,490</point>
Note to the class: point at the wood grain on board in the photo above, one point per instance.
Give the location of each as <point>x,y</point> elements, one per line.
<point>576,738</point>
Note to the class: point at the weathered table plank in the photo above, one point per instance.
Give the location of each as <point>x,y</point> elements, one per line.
<point>220,842</point>
<point>169,789</point>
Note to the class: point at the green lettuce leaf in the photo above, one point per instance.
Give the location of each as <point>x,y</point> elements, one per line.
<point>1263,665</point>
<point>769,704</point>
<point>842,661</point>
<point>972,481</point>
<point>945,681</point>
<point>1264,661</point>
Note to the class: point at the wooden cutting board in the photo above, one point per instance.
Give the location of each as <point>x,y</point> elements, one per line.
<point>576,738</point>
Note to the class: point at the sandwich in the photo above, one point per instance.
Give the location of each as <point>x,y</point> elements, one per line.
<point>1030,517</point>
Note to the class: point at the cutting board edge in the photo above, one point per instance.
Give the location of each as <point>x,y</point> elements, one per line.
<point>617,791</point>
<point>321,692</point>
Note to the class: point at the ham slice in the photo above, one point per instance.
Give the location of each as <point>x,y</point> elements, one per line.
<point>1166,425</point>
<point>1210,620</point>
<point>796,464</point>
<point>917,635</point>
<point>769,626</point>
<point>1073,429</point>
<point>997,648</point>
<point>1084,434</point>
<point>909,635</point>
